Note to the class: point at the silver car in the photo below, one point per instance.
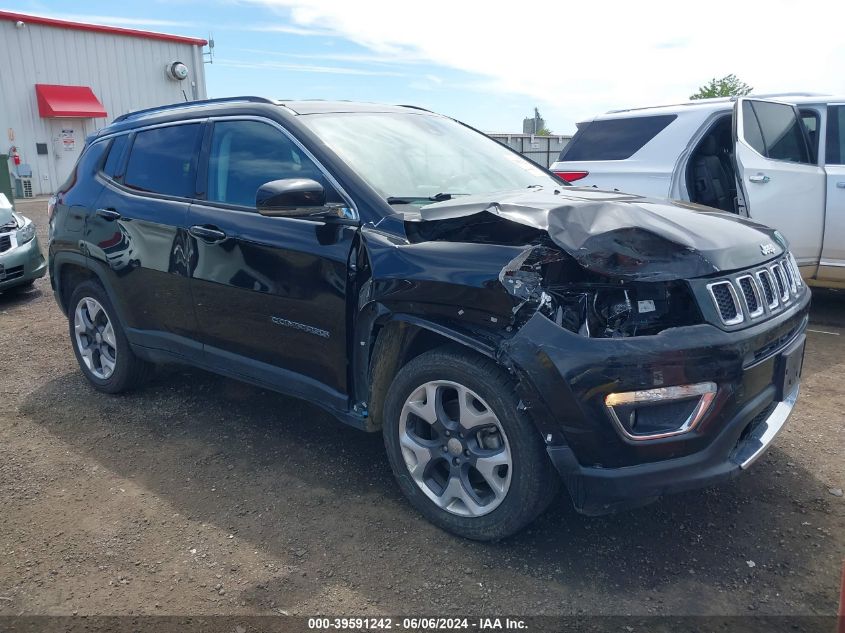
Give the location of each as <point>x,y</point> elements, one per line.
<point>21,261</point>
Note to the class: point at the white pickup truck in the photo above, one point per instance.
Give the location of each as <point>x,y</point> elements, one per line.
<point>780,162</point>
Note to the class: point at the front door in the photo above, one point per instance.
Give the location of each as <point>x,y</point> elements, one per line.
<point>270,292</point>
<point>781,184</point>
<point>832,266</point>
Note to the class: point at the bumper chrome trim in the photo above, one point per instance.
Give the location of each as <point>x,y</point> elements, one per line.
<point>706,391</point>
<point>767,431</point>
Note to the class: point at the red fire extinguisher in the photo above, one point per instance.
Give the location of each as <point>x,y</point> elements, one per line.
<point>16,158</point>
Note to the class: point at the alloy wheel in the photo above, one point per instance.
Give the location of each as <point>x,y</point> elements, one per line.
<point>95,338</point>
<point>455,448</point>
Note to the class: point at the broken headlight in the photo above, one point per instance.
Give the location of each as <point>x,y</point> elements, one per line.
<point>621,310</point>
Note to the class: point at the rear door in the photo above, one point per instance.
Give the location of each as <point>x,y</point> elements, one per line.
<point>136,234</point>
<point>781,184</point>
<point>832,266</point>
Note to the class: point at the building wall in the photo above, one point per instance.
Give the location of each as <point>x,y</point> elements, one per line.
<point>543,150</point>
<point>126,73</point>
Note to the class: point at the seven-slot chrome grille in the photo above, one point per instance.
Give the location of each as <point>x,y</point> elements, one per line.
<point>751,294</point>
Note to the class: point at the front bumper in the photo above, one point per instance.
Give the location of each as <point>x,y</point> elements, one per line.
<point>564,379</point>
<point>22,264</point>
<point>597,491</point>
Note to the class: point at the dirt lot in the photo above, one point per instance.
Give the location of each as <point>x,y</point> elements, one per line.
<point>203,495</point>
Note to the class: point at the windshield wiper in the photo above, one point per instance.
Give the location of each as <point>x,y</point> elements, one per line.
<point>438,197</point>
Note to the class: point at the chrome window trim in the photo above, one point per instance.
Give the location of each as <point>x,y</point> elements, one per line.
<point>124,188</point>
<point>760,303</point>
<point>234,117</point>
<point>740,315</point>
<point>329,177</point>
<point>152,126</point>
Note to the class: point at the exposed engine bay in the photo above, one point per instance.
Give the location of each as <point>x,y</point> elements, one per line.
<point>548,281</point>
<point>599,264</point>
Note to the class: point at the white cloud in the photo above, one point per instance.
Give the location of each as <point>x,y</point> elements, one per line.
<point>336,57</point>
<point>278,28</point>
<point>575,60</point>
<point>304,68</point>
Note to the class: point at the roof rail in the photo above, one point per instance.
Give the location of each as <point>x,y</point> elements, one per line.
<point>413,107</point>
<point>730,99</point>
<point>790,94</point>
<point>694,102</point>
<point>186,104</point>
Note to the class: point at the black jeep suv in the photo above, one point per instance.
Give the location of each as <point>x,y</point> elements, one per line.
<point>503,330</point>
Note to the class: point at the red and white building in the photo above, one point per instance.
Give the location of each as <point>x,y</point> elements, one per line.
<point>61,81</point>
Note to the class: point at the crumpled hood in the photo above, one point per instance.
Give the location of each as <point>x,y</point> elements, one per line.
<point>621,235</point>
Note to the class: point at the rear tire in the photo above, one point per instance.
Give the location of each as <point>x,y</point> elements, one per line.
<point>99,343</point>
<point>480,469</point>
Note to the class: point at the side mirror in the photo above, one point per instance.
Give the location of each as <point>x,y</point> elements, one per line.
<point>291,197</point>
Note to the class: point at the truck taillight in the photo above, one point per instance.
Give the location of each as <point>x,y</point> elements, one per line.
<point>51,207</point>
<point>572,176</point>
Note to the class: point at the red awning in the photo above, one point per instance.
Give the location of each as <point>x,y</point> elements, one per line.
<point>68,101</point>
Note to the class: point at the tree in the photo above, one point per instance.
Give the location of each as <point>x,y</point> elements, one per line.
<point>727,86</point>
<point>543,131</point>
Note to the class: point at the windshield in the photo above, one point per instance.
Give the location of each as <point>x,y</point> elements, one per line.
<point>413,157</point>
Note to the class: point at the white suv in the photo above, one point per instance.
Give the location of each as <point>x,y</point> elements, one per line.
<point>780,162</point>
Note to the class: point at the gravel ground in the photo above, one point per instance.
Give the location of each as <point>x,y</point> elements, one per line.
<point>202,495</point>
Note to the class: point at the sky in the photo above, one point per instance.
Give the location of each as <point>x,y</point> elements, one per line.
<point>491,63</point>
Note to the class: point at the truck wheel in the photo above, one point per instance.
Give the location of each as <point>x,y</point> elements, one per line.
<point>100,346</point>
<point>462,453</point>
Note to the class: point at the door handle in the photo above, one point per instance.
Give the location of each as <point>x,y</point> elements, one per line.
<point>760,179</point>
<point>108,214</point>
<point>207,233</point>
<point>841,184</point>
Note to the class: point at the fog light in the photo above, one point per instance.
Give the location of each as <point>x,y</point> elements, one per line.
<point>661,412</point>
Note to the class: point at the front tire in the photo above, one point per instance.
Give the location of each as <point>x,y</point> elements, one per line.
<point>461,451</point>
<point>99,343</point>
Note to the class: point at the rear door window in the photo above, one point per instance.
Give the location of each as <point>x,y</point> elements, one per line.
<point>835,153</point>
<point>614,139</point>
<point>810,118</point>
<point>774,130</point>
<point>751,129</point>
<point>163,160</point>
<point>114,160</point>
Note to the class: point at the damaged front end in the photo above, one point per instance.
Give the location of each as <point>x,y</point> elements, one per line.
<point>544,279</point>
<point>600,264</point>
